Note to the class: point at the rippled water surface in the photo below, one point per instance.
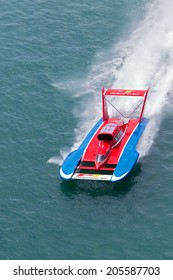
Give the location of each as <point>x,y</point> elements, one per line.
<point>55,57</point>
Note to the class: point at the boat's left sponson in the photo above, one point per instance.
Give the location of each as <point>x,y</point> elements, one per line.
<point>70,163</point>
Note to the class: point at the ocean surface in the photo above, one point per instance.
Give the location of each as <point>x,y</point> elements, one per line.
<point>55,57</point>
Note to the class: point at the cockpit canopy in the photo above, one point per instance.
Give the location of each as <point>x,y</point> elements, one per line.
<point>100,158</point>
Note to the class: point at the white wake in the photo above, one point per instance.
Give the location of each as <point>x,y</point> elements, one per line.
<point>144,59</point>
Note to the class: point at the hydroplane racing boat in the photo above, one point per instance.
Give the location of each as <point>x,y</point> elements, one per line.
<point>109,150</point>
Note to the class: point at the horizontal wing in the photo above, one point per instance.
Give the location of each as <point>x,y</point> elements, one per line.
<point>124,92</point>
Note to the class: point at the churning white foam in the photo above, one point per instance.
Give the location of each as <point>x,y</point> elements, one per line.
<point>144,59</point>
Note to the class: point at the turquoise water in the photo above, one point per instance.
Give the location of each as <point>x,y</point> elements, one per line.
<point>55,57</point>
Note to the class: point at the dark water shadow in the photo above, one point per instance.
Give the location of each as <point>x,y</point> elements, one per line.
<point>73,188</point>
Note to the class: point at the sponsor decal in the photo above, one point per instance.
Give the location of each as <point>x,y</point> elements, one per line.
<point>92,176</point>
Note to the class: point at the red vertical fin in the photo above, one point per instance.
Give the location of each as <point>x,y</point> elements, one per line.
<point>145,98</point>
<point>104,106</point>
